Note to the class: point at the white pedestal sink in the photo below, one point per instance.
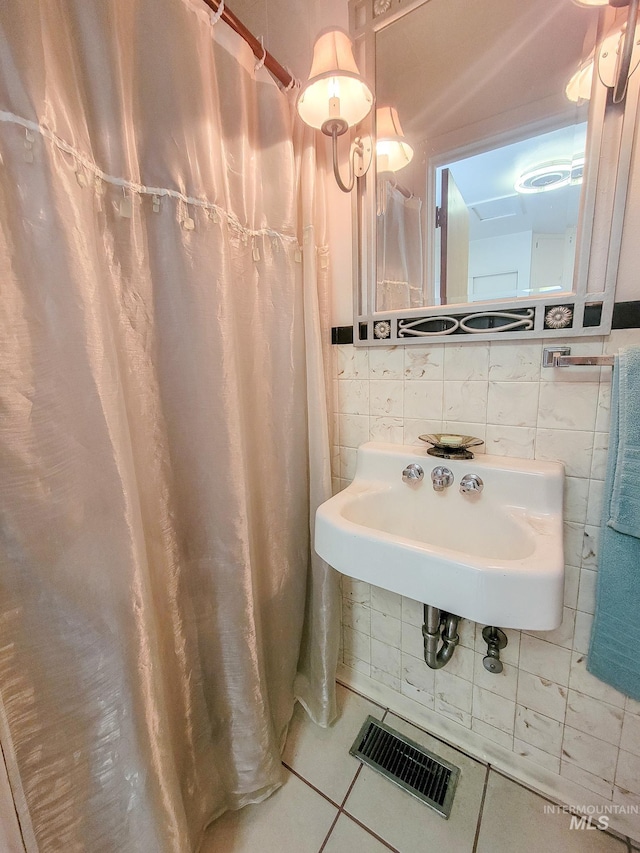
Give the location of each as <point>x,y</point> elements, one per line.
<point>495,557</point>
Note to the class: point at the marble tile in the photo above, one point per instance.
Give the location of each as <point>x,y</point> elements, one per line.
<point>412,612</point>
<point>503,683</point>
<point>386,628</point>
<point>404,822</point>
<point>355,590</point>
<point>538,756</point>
<point>412,640</point>
<point>462,718</point>
<point>386,397</point>
<point>603,414</point>
<point>356,645</point>
<point>545,659</point>
<point>531,826</point>
<point>567,405</point>
<point>515,361</point>
<point>386,362</point>
<point>424,362</point>
<point>353,397</point>
<point>576,499</point>
<point>387,429</point>
<point>541,695</point>
<point>414,427</point>
<point>586,779</point>
<point>584,682</point>
<point>353,430</point>
<point>347,463</point>
<point>386,602</point>
<point>591,754</point>
<point>590,547</point>
<point>594,717</point>
<point>465,401</point>
<point>537,730</point>
<point>628,772</point>
<point>466,361</point>
<point>423,400</point>
<point>494,710</point>
<point>573,448</point>
<point>587,593</point>
<point>573,536</point>
<point>582,633</point>
<point>353,362</point>
<point>453,690</point>
<point>630,740</point>
<point>356,616</point>
<point>418,681</point>
<point>571,585</point>
<point>512,403</point>
<point>594,508</point>
<point>561,636</point>
<point>461,664</point>
<point>510,441</point>
<point>350,836</point>
<point>505,739</point>
<point>321,755</point>
<point>295,819</point>
<point>599,459</point>
<point>386,678</point>
<point>386,659</point>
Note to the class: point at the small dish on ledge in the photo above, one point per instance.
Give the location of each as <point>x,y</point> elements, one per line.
<point>450,446</point>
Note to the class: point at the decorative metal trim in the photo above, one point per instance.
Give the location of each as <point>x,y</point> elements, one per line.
<point>380,7</point>
<point>382,329</point>
<point>407,328</point>
<point>558,317</point>
<point>521,320</point>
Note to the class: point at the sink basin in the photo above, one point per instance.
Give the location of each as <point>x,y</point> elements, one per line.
<point>495,557</point>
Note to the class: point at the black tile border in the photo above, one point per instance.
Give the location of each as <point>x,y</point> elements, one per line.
<point>342,335</point>
<point>626,315</point>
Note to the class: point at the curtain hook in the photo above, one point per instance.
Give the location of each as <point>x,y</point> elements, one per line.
<point>215,17</point>
<point>260,62</point>
<point>294,83</point>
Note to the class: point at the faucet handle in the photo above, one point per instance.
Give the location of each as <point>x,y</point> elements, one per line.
<point>471,484</point>
<point>413,473</point>
<point>441,478</point>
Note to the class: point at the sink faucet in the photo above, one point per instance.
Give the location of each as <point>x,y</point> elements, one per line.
<point>472,484</point>
<point>441,478</point>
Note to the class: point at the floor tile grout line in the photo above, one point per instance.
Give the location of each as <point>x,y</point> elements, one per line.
<point>350,788</point>
<point>481,811</point>
<point>331,828</point>
<point>369,830</point>
<point>311,785</point>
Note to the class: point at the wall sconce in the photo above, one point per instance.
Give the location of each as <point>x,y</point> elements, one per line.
<point>393,152</point>
<point>335,98</point>
<point>614,56</point>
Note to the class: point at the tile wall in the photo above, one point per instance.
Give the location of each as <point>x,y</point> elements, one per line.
<point>544,707</point>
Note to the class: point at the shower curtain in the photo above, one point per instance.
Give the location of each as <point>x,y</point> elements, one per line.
<point>400,282</point>
<point>163,429</point>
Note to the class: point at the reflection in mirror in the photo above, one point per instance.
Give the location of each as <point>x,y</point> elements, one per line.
<point>488,207</point>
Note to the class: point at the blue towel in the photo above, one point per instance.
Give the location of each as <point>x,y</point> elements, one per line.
<point>614,652</point>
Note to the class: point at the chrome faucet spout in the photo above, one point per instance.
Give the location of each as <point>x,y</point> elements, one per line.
<point>441,478</point>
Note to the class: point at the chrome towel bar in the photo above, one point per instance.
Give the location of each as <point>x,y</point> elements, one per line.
<point>561,357</point>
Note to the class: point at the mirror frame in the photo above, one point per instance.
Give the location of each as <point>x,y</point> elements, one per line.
<point>610,138</point>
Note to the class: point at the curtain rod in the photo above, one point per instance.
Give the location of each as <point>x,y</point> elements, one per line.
<point>280,73</point>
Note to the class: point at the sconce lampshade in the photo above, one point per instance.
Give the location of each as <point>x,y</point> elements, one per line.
<point>335,96</point>
<point>393,152</point>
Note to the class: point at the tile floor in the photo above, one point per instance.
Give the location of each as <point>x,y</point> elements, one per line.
<point>330,803</point>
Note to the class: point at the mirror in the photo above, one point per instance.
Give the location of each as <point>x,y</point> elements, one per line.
<point>488,225</point>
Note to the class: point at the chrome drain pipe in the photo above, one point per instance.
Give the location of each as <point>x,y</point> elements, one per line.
<point>433,619</point>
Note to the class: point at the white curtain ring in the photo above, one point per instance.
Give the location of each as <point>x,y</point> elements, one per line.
<point>260,62</point>
<point>294,83</point>
<point>217,15</point>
